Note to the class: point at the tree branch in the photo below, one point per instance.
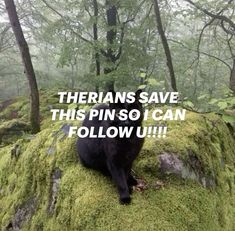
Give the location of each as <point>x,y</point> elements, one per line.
<point>63,19</point>
<point>216,16</point>
<point>117,57</point>
<point>122,37</point>
<point>225,29</point>
<point>204,53</point>
<point>208,24</point>
<point>230,46</point>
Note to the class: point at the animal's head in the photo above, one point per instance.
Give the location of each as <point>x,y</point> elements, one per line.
<point>135,109</point>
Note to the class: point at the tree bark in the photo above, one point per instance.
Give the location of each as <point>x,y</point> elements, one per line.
<point>26,59</point>
<point>95,34</point>
<point>165,45</point>
<point>72,76</point>
<point>111,35</point>
<point>232,78</point>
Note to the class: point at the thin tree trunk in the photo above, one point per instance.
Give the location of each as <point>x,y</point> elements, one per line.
<point>195,78</point>
<point>72,76</point>
<point>111,14</point>
<point>17,85</point>
<point>95,33</point>
<point>165,45</point>
<point>29,71</point>
<point>232,78</point>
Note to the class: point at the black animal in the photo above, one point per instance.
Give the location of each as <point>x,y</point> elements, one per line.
<point>113,156</point>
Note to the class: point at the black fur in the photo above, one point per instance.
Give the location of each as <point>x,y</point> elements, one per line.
<point>113,156</point>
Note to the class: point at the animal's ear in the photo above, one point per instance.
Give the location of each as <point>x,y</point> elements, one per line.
<point>137,95</point>
<point>113,93</point>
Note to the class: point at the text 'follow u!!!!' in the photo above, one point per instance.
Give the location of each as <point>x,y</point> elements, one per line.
<point>120,132</point>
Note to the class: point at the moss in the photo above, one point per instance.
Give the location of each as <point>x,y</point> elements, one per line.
<point>88,201</point>
<point>19,107</point>
<point>206,136</point>
<point>12,109</point>
<point>12,130</point>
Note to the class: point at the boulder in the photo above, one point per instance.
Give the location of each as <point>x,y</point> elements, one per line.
<point>67,196</point>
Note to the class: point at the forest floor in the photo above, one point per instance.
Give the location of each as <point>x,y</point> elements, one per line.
<point>189,177</point>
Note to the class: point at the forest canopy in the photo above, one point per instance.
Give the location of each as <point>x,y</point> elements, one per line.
<point>96,46</point>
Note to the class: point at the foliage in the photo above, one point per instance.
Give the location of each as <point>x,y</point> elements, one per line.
<point>63,50</point>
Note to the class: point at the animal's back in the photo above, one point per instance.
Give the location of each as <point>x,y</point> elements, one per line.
<point>90,150</point>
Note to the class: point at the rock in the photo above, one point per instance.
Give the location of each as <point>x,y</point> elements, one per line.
<point>63,133</point>
<point>15,151</point>
<point>71,197</point>
<point>11,130</point>
<point>56,177</point>
<point>11,109</point>
<point>170,163</point>
<point>192,169</point>
<point>22,215</point>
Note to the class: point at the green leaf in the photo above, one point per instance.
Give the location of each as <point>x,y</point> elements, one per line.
<point>142,87</point>
<point>189,104</point>
<point>152,82</point>
<point>232,101</point>
<point>203,97</point>
<point>142,75</point>
<point>72,106</point>
<point>222,105</point>
<point>213,101</point>
<point>229,118</point>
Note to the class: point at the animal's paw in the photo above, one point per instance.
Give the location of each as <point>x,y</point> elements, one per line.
<point>132,181</point>
<point>125,200</point>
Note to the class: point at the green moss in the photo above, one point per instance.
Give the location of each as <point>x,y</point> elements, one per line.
<point>12,130</point>
<point>19,107</point>
<point>206,136</point>
<point>86,200</point>
<point>13,109</point>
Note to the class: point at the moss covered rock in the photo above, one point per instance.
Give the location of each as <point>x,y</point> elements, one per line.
<point>16,112</point>
<point>13,108</point>
<point>46,188</point>
<point>19,107</point>
<point>12,130</point>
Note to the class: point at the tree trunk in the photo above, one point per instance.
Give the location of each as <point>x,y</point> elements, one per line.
<point>72,76</point>
<point>95,33</point>
<point>25,55</point>
<point>232,78</point>
<point>111,13</point>
<point>17,85</point>
<point>165,45</point>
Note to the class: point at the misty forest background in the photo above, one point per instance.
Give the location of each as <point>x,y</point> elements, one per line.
<point>187,180</point>
<point>185,46</point>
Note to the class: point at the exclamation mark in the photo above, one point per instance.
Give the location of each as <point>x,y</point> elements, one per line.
<point>164,132</point>
<point>159,132</point>
<point>149,131</point>
<point>154,131</point>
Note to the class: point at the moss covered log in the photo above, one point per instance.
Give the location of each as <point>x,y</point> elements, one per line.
<point>44,187</point>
